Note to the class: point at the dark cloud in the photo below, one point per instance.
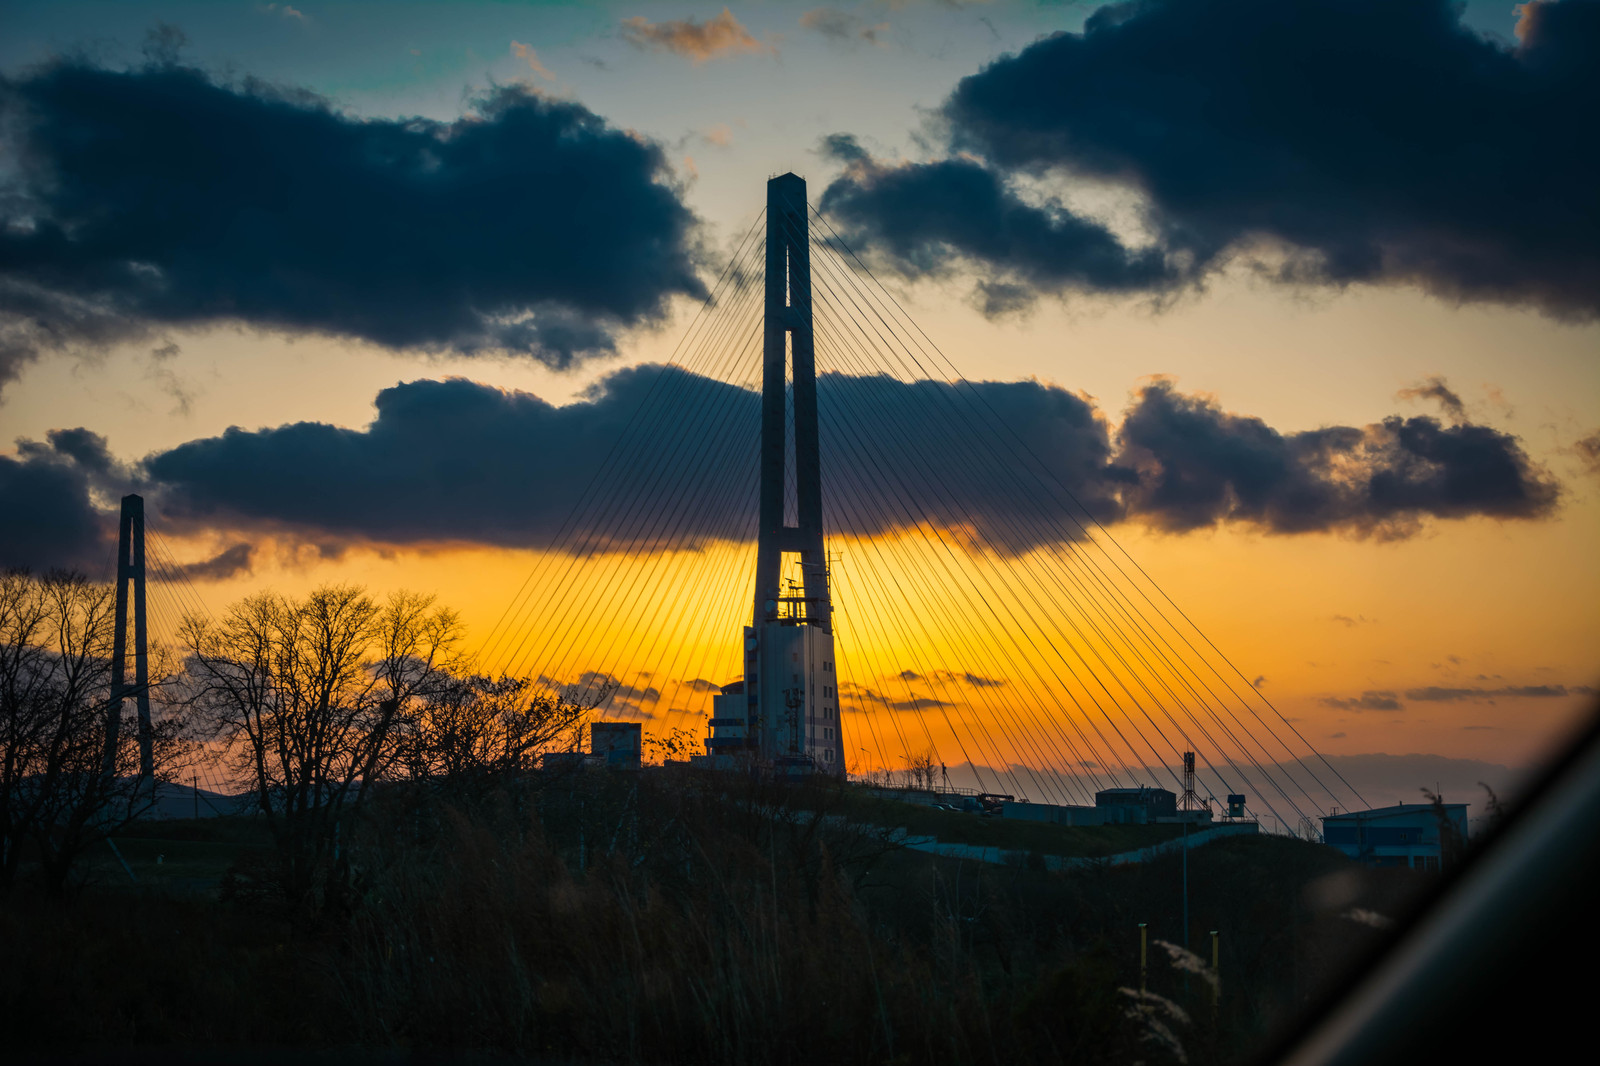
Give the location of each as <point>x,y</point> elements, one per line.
<point>1438,694</point>
<point>1439,391</point>
<point>455,461</point>
<point>930,218</point>
<point>1198,465</point>
<point>231,561</point>
<point>628,701</point>
<point>1588,453</point>
<point>458,461</point>
<point>1324,142</point>
<point>1367,701</point>
<point>51,517</point>
<point>918,703</point>
<point>164,197</point>
<point>700,684</point>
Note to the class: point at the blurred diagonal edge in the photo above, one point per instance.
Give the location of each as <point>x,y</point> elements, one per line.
<point>1498,961</point>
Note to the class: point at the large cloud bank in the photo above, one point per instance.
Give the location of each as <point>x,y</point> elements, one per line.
<point>163,197</point>
<point>675,453</point>
<point>1325,142</point>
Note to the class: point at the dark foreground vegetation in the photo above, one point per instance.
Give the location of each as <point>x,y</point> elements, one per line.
<point>403,875</point>
<point>669,916</point>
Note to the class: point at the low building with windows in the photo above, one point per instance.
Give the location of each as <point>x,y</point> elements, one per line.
<point>1408,834</point>
<point>616,745</point>
<point>1136,804</point>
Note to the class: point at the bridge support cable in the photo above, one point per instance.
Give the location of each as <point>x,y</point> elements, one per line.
<point>1040,472</point>
<point>624,509</point>
<point>1140,680</point>
<point>616,505</point>
<point>1166,712</point>
<point>978,650</point>
<point>929,529</point>
<point>934,476</point>
<point>972,646</point>
<point>1135,674</point>
<point>644,529</point>
<point>951,463</point>
<point>841,416</point>
<point>1049,481</point>
<point>506,640</point>
<point>174,600</point>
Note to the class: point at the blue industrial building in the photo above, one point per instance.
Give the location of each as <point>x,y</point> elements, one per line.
<point>1408,834</point>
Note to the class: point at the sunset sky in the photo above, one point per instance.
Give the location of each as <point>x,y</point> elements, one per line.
<point>1302,299</point>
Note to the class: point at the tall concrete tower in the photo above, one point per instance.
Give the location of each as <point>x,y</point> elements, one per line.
<point>130,569</point>
<point>785,713</point>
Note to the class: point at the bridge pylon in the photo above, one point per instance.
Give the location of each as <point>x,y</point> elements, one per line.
<point>784,714</point>
<point>130,570</point>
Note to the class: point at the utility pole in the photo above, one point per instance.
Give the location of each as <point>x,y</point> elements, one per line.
<point>1186,899</point>
<point>130,568</point>
<point>1144,956</point>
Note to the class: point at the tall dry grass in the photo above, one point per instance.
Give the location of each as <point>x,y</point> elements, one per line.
<point>662,917</point>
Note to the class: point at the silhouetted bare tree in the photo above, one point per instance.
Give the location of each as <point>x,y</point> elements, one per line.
<point>56,796</point>
<point>315,698</point>
<point>469,731</point>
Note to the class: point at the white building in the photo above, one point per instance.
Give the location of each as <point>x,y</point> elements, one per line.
<point>785,711</point>
<point>1408,834</point>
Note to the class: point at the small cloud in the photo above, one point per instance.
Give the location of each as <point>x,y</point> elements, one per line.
<point>1441,393</point>
<point>282,11</point>
<point>843,27</point>
<point>1336,736</point>
<point>1370,700</point>
<point>167,379</point>
<point>979,681</point>
<point>1497,398</point>
<point>696,41</point>
<point>1259,681</point>
<point>720,135</point>
<point>1349,622</point>
<point>700,684</point>
<point>1588,452</point>
<point>530,57</point>
<point>230,562</point>
<point>921,703</point>
<point>909,675</point>
<point>1440,694</point>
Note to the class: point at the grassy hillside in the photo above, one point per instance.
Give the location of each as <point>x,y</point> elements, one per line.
<point>666,917</point>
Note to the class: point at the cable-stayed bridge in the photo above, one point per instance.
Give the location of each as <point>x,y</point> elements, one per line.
<point>815,524</point>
